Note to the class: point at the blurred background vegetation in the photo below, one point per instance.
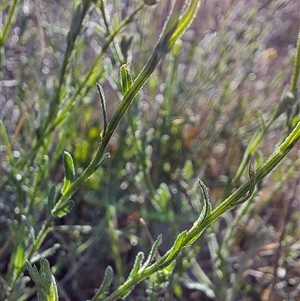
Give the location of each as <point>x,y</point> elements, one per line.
<point>195,118</point>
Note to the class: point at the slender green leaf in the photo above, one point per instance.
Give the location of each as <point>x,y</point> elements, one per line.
<point>178,244</point>
<point>153,252</point>
<point>206,209</point>
<point>126,78</point>
<point>252,182</point>
<point>104,287</point>
<point>69,172</point>
<point>103,106</point>
<point>137,264</point>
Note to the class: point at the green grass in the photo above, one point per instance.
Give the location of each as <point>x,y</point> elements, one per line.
<point>107,126</point>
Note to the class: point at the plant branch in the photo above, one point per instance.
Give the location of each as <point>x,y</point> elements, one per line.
<point>199,227</point>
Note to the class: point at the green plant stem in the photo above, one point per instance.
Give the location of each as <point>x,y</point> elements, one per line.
<point>8,25</point>
<point>5,32</point>
<point>259,135</point>
<point>254,143</point>
<point>123,106</point>
<point>75,29</point>
<point>260,174</point>
<point>92,70</point>
<point>50,128</point>
<point>296,69</point>
<point>228,204</point>
<point>160,50</point>
<point>227,242</point>
<point>166,42</point>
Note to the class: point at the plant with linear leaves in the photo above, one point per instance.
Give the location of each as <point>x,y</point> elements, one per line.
<point>161,269</point>
<point>157,269</point>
